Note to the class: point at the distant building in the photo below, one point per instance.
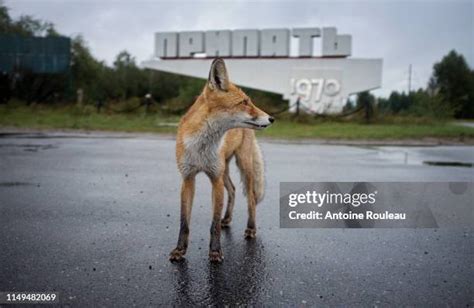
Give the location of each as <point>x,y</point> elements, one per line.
<point>34,54</point>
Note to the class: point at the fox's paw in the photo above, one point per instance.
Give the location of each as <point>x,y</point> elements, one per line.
<point>250,233</point>
<point>216,256</point>
<point>225,222</point>
<point>177,255</point>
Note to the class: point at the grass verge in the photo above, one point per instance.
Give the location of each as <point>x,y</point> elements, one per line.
<point>86,118</point>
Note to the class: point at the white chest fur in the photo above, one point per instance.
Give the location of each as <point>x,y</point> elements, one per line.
<point>202,150</point>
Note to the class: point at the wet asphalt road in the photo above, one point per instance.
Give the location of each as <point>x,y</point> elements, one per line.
<point>95,218</point>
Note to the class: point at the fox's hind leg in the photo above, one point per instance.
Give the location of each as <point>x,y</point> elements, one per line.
<point>245,164</point>
<point>187,195</point>
<point>229,186</point>
<point>251,230</point>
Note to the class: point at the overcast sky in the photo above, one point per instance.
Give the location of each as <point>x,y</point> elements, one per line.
<point>400,32</point>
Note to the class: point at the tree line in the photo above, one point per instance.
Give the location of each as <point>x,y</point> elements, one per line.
<point>123,80</point>
<point>449,93</point>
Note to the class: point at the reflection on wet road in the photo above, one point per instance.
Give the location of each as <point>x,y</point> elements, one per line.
<point>239,282</point>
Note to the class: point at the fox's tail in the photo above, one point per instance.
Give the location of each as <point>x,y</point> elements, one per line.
<point>258,172</point>
<point>255,170</point>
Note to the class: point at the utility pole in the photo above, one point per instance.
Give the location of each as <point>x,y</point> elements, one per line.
<point>409,79</point>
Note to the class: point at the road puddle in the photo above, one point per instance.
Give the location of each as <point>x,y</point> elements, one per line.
<point>447,164</point>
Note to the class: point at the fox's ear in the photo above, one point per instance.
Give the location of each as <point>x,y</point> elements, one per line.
<point>218,77</point>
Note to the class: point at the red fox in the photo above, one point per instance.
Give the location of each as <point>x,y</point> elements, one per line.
<point>217,127</point>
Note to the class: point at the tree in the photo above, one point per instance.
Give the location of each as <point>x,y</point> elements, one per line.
<point>366,100</point>
<point>5,19</point>
<point>86,70</point>
<point>428,105</point>
<point>348,107</point>
<point>131,80</point>
<point>453,80</point>
<point>26,25</point>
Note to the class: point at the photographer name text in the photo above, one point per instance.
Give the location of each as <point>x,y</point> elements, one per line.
<point>354,200</point>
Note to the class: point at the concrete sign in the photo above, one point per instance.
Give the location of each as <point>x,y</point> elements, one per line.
<point>265,60</point>
<point>250,43</point>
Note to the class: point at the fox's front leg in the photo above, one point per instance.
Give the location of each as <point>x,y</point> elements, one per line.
<point>215,251</point>
<point>187,195</point>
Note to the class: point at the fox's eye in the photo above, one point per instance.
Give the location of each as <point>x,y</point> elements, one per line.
<point>245,102</point>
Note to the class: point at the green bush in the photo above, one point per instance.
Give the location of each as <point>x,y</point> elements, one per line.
<point>431,106</point>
